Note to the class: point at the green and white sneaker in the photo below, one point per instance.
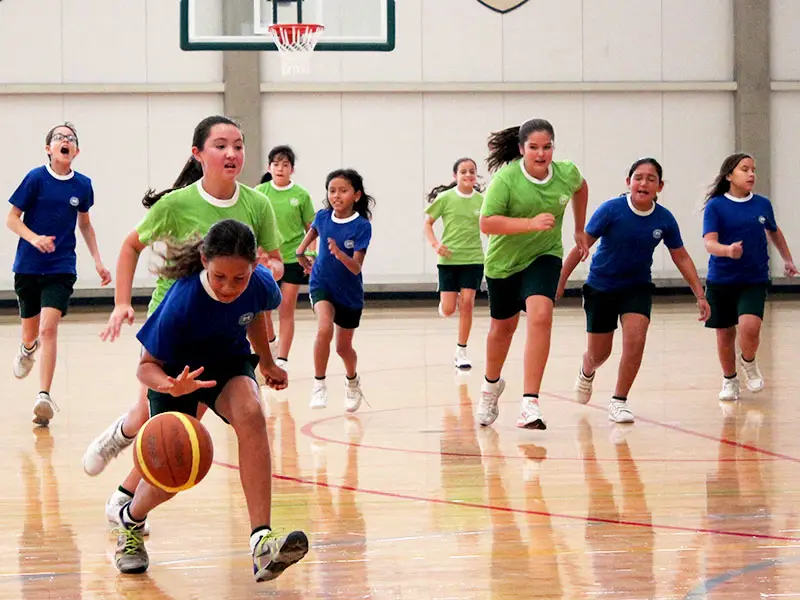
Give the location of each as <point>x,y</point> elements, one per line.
<point>273,555</point>
<point>131,555</point>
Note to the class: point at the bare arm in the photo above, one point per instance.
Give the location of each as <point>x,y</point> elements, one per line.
<point>570,262</point>
<point>501,225</point>
<point>686,266</point>
<point>580,202</point>
<point>126,267</point>
<point>311,236</point>
<point>87,231</point>
<point>430,235</point>
<point>259,339</point>
<point>353,263</point>
<point>778,239</point>
<point>714,248</point>
<point>151,373</point>
<point>43,243</point>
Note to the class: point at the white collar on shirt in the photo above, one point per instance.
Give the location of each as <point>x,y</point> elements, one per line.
<point>349,219</point>
<point>216,201</point>
<point>636,211</point>
<point>735,199</point>
<point>207,285</point>
<point>278,188</point>
<point>533,179</point>
<point>57,176</point>
<point>462,194</point>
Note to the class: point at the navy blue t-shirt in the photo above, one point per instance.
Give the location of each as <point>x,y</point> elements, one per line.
<point>743,220</point>
<point>50,204</point>
<point>628,239</point>
<point>329,274</point>
<point>191,328</point>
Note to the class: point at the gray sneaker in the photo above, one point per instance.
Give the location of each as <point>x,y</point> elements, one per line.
<point>43,409</point>
<point>273,555</point>
<point>23,361</point>
<point>131,555</point>
<point>104,448</point>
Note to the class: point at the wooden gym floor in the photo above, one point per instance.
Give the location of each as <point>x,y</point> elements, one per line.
<point>409,499</point>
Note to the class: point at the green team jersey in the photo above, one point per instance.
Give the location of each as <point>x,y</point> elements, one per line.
<point>461,231</point>
<point>293,211</point>
<point>192,211</point>
<point>513,192</point>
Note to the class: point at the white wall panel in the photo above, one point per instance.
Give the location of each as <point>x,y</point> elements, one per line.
<point>542,41</point>
<point>166,62</point>
<point>386,151</point>
<point>785,174</point>
<point>622,40</point>
<point>697,40</point>
<point>104,41</point>
<point>30,42</point>
<point>785,42</point>
<point>461,41</point>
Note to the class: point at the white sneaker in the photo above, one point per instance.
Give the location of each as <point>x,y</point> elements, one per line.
<point>319,394</point>
<point>487,407</point>
<point>273,347</point>
<point>23,361</point>
<point>730,389</point>
<point>460,359</point>
<point>105,447</point>
<point>282,363</point>
<point>583,387</point>
<point>752,375</point>
<point>43,409</point>
<point>114,505</point>
<point>530,415</point>
<point>353,395</point>
<point>618,411</point>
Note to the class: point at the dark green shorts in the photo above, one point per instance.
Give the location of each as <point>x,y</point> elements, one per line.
<point>343,316</point>
<point>507,296</point>
<point>37,291</point>
<point>454,278</point>
<point>730,301</point>
<point>293,273</point>
<point>603,309</point>
<point>222,373</point>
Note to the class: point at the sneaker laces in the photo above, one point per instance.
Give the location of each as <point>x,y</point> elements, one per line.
<point>110,446</point>
<point>134,541</point>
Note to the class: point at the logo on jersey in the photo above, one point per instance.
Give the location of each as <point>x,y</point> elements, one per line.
<point>563,200</point>
<point>762,220</point>
<point>657,233</point>
<point>246,319</point>
<point>502,6</point>
<point>294,202</point>
<point>477,212</point>
<point>349,244</point>
<point>74,201</point>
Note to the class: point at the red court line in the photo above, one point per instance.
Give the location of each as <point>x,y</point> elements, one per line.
<point>522,511</point>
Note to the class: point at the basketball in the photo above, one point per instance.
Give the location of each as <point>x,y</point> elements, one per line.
<point>173,452</point>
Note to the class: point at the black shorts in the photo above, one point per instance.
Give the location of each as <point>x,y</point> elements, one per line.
<point>507,295</point>
<point>454,278</point>
<point>730,301</point>
<point>37,291</point>
<point>343,316</point>
<point>603,309</point>
<point>222,373</point>
<point>293,273</point>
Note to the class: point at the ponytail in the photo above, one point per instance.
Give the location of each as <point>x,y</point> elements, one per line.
<point>504,146</point>
<point>443,188</point>
<point>192,172</point>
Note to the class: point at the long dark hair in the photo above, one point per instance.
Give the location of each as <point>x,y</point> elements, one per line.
<point>443,188</point>
<point>192,171</point>
<point>225,238</point>
<point>364,204</point>
<point>721,184</point>
<point>504,145</point>
<point>648,160</point>
<point>282,151</point>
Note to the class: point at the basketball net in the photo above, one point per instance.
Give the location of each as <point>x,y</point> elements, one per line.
<point>295,42</point>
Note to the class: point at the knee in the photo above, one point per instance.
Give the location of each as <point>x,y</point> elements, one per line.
<point>750,330</point>
<point>598,357</point>
<point>325,333</point>
<point>250,416</point>
<point>503,329</point>
<point>465,305</point>
<point>540,317</point>
<point>48,330</point>
<point>344,349</point>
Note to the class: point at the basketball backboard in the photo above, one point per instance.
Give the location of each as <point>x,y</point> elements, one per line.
<point>350,25</point>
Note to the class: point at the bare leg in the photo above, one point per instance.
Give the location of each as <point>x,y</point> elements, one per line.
<point>726,350</point>
<point>537,341</point>
<point>48,338</point>
<point>634,336</point>
<point>749,336</point>
<point>322,344</point>
<point>466,304</point>
<point>497,344</point>
<point>344,348</point>
<point>447,302</point>
<point>286,311</point>
<point>597,352</point>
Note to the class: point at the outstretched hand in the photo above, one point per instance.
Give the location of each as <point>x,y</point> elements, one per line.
<point>185,383</point>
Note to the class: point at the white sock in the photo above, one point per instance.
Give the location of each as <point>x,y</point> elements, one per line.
<point>256,537</point>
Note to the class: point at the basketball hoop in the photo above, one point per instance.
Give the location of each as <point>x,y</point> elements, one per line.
<point>295,42</point>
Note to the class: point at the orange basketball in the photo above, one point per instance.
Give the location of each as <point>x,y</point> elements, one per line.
<point>173,452</point>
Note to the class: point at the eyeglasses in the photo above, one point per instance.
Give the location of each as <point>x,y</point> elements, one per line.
<point>57,137</point>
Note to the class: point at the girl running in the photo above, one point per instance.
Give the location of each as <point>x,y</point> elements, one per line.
<point>522,214</point>
<point>460,250</point>
<point>206,191</point>
<point>294,213</point>
<point>619,286</point>
<point>196,351</point>
<point>736,226</point>
<point>336,286</point>
<point>45,209</point>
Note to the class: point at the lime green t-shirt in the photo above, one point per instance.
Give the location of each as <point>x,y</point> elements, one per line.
<point>513,192</point>
<point>461,231</point>
<point>192,211</point>
<point>293,211</point>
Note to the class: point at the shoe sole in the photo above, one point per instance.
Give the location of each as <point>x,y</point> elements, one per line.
<point>537,424</point>
<point>294,548</point>
<point>135,570</point>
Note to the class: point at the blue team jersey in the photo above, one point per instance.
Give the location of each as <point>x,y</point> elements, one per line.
<point>628,239</point>
<point>329,274</point>
<point>191,328</point>
<point>743,220</point>
<point>50,204</point>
